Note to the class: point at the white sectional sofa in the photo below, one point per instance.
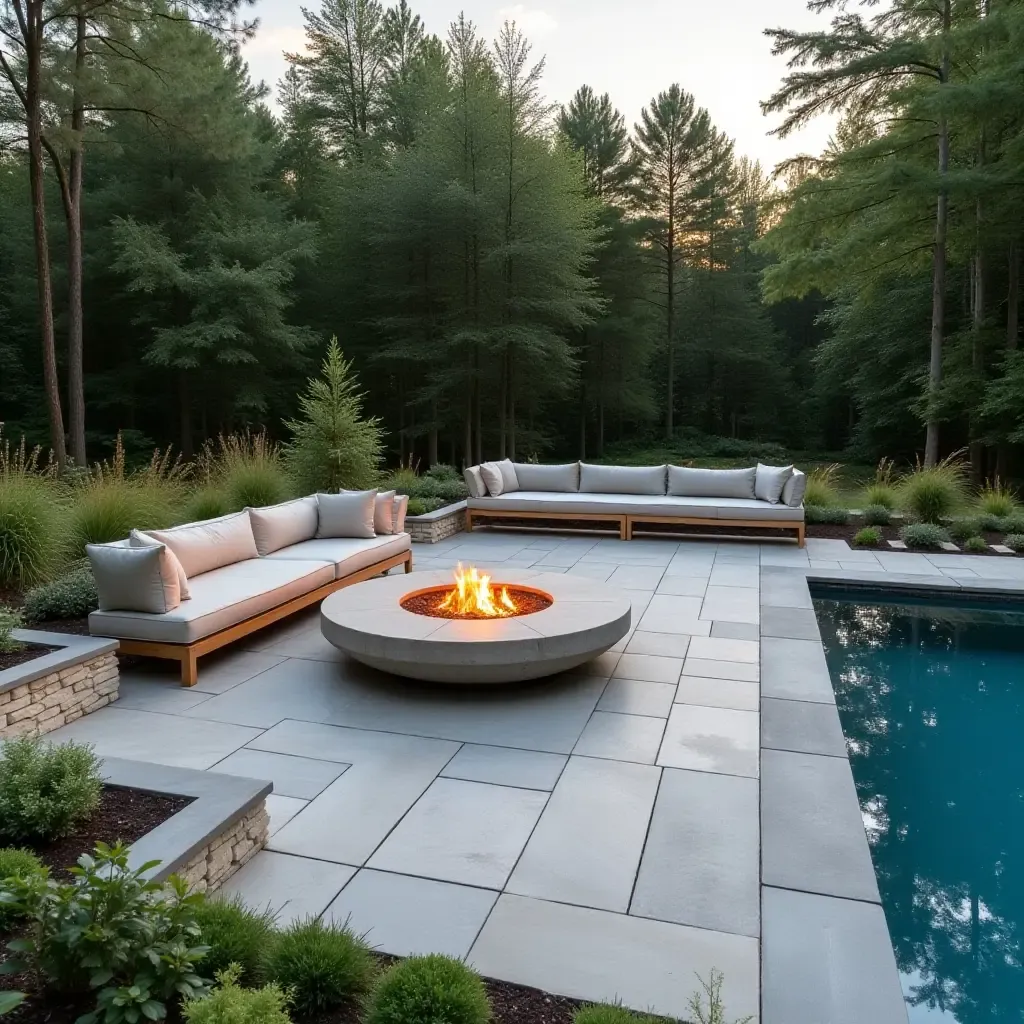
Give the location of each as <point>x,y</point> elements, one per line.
<point>184,592</point>
<point>765,497</point>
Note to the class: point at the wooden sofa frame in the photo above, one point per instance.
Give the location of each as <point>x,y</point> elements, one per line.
<point>188,655</point>
<point>626,522</point>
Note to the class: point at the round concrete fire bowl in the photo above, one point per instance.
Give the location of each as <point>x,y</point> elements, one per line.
<point>543,623</point>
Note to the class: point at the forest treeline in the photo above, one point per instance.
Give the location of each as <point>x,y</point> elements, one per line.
<point>508,277</point>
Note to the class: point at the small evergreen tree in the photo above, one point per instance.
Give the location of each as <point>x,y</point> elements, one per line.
<point>333,446</point>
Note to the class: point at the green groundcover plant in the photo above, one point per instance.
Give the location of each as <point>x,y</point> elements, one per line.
<point>927,536</point>
<point>876,515</point>
<point>428,990</point>
<point>46,790</point>
<point>1015,542</point>
<point>15,864</point>
<point>832,515</point>
<point>69,596</point>
<point>976,545</point>
<point>868,537</point>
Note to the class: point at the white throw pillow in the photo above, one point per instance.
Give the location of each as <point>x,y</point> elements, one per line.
<point>138,539</point>
<point>493,478</point>
<point>383,511</point>
<point>280,526</point>
<point>475,482</point>
<point>769,482</point>
<point>793,492</point>
<point>398,514</point>
<point>346,515</point>
<point>139,579</point>
<point>210,544</point>
<point>509,480</point>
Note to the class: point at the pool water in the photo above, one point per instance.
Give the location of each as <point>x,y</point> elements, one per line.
<point>931,698</point>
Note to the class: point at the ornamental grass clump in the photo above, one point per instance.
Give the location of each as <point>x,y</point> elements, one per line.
<point>608,1013</point>
<point>31,516</point>
<point>46,790</point>
<point>236,934</point>
<point>976,545</point>
<point>70,596</point>
<point>996,499</point>
<point>821,490</point>
<point>244,470</point>
<point>933,493</point>
<point>869,537</point>
<point>207,502</point>
<point>229,1003</point>
<point>428,990</point>
<point>876,515</point>
<point>926,536</point>
<point>17,865</point>
<point>324,966</point>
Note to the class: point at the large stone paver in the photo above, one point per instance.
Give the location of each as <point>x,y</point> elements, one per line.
<point>506,766</point>
<point>795,670</point>
<point>637,697</point>
<point>812,833</point>
<point>587,844</point>
<point>701,863</point>
<point>666,614</point>
<point>711,740</point>
<point>712,648</point>
<point>158,738</point>
<point>805,726</point>
<point>740,670</point>
<point>293,887</point>
<point>598,956</point>
<point>407,916</point>
<point>466,832</point>
<point>731,604</point>
<point>828,959</point>
<point>664,645</point>
<point>303,777</point>
<point>281,810</point>
<point>718,693</point>
<point>621,737</point>
<point>648,667</point>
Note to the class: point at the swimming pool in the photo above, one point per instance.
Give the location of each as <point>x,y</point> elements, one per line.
<point>931,698</point>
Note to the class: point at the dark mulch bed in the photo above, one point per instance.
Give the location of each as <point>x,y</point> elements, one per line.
<point>847,533</point>
<point>123,814</point>
<point>28,652</point>
<point>76,627</point>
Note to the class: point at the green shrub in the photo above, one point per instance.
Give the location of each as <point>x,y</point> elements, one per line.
<point>607,1013</point>
<point>834,516</point>
<point>868,537</point>
<point>933,494</point>
<point>333,445</point>
<point>30,530</point>
<point>323,965</point>
<point>443,471</point>
<point>71,596</point>
<point>997,499</point>
<point>247,469</point>
<point>881,495</point>
<point>923,535</point>
<point>877,515</point>
<point>228,1003</point>
<point>46,790</point>
<point>10,620</point>
<point>9,1000</point>
<point>963,527</point>
<point>429,990</point>
<point>1011,524</point>
<point>821,487</point>
<point>208,502</point>
<point>15,863</point>
<point>132,942</point>
<point>1015,542</point>
<point>976,545</point>
<point>236,934</point>
<point>421,506</point>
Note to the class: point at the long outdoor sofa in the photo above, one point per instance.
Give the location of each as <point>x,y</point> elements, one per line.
<point>763,497</point>
<point>183,592</point>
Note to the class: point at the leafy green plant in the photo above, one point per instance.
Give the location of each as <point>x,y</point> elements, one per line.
<point>322,965</point>
<point>1015,542</point>
<point>421,506</point>
<point>931,494</point>
<point>706,1005</point>
<point>923,535</point>
<point>30,530</point>
<point>834,516</point>
<point>10,620</point>
<point>988,523</point>
<point>822,491</point>
<point>207,502</point>
<point>876,515</point>
<point>236,934</point>
<point>996,499</point>
<point>10,1000</point>
<point>46,790</point>
<point>443,471</point>
<point>70,596</point>
<point>963,527</point>
<point>428,990</point>
<point>229,1003</point>
<point>868,537</point>
<point>132,942</point>
<point>15,863</point>
<point>333,445</point>
<point>247,469</point>
<point>976,545</point>
<point>609,1013</point>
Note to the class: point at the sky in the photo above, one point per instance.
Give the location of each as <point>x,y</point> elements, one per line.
<point>632,49</point>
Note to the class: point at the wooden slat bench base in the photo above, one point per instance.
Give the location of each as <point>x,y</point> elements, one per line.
<point>188,655</point>
<point>627,522</point>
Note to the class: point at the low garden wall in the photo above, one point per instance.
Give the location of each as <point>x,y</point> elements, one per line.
<point>237,844</point>
<point>435,526</point>
<point>47,692</point>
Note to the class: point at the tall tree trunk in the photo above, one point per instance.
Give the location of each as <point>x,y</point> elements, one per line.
<point>1012,334</point>
<point>583,422</point>
<point>73,214</point>
<point>931,444</point>
<point>669,323</point>
<point>977,448</point>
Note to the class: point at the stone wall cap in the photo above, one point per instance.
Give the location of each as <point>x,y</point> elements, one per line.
<point>438,513</point>
<point>74,650</point>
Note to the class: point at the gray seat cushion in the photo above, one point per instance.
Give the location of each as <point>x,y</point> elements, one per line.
<point>639,505</point>
<point>622,479</point>
<point>533,477</point>
<point>347,554</point>
<point>220,598</point>
<point>691,482</point>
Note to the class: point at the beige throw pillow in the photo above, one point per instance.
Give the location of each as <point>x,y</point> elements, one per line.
<point>475,482</point>
<point>493,478</point>
<point>138,539</point>
<point>139,579</point>
<point>398,515</point>
<point>210,544</point>
<point>280,526</point>
<point>346,515</point>
<point>383,511</point>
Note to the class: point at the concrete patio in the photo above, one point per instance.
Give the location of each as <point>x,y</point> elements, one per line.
<point>676,805</point>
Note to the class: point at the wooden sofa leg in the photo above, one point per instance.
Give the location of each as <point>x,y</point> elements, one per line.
<point>800,535</point>
<point>469,521</point>
<point>189,668</point>
<point>408,563</point>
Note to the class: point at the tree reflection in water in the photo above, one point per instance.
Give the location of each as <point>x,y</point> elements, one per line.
<point>932,704</point>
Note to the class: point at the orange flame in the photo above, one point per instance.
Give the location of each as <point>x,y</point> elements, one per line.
<point>474,595</point>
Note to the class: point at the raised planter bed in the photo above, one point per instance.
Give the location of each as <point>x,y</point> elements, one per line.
<point>833,531</point>
<point>435,526</point>
<point>69,676</point>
